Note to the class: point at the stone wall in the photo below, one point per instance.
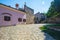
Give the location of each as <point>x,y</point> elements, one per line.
<point>29,15</point>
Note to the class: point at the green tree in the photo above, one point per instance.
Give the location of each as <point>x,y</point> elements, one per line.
<point>51,11</point>
<point>54,9</point>
<point>57,5</point>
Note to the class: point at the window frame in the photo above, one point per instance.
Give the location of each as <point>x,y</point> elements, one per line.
<point>7,18</point>
<point>19,19</point>
<point>24,20</point>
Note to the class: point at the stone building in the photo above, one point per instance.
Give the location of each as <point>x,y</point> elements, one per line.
<point>14,16</point>
<point>11,16</point>
<point>39,17</point>
<point>29,14</point>
<point>55,19</point>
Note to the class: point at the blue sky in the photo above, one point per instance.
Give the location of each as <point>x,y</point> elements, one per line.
<point>37,5</point>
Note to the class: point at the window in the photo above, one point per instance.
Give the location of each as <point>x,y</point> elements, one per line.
<point>20,19</point>
<point>24,20</point>
<point>7,18</point>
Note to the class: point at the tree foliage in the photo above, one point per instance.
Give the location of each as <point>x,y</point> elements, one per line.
<point>51,10</point>
<point>54,9</point>
<point>57,5</point>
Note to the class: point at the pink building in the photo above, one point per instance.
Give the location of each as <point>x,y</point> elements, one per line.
<point>11,16</point>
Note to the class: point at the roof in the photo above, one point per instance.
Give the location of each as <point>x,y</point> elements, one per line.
<point>20,9</point>
<point>29,8</point>
<point>39,13</point>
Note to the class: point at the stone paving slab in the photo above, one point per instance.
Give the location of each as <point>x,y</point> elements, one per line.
<point>23,32</point>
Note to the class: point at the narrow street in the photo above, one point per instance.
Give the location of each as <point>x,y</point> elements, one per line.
<point>23,32</point>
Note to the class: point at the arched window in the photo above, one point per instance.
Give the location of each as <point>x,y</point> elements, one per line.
<point>24,20</point>
<point>7,18</point>
<point>20,19</point>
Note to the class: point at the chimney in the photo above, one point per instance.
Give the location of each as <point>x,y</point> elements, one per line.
<point>17,6</point>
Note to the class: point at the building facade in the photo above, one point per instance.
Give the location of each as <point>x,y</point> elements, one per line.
<point>29,14</point>
<point>39,17</point>
<point>11,16</point>
<point>14,16</point>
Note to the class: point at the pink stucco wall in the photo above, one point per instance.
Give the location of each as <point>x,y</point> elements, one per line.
<point>14,17</point>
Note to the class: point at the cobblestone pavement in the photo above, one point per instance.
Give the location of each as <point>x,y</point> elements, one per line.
<point>23,32</point>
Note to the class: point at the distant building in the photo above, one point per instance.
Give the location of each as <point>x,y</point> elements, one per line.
<point>14,16</point>
<point>55,19</point>
<point>39,17</point>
